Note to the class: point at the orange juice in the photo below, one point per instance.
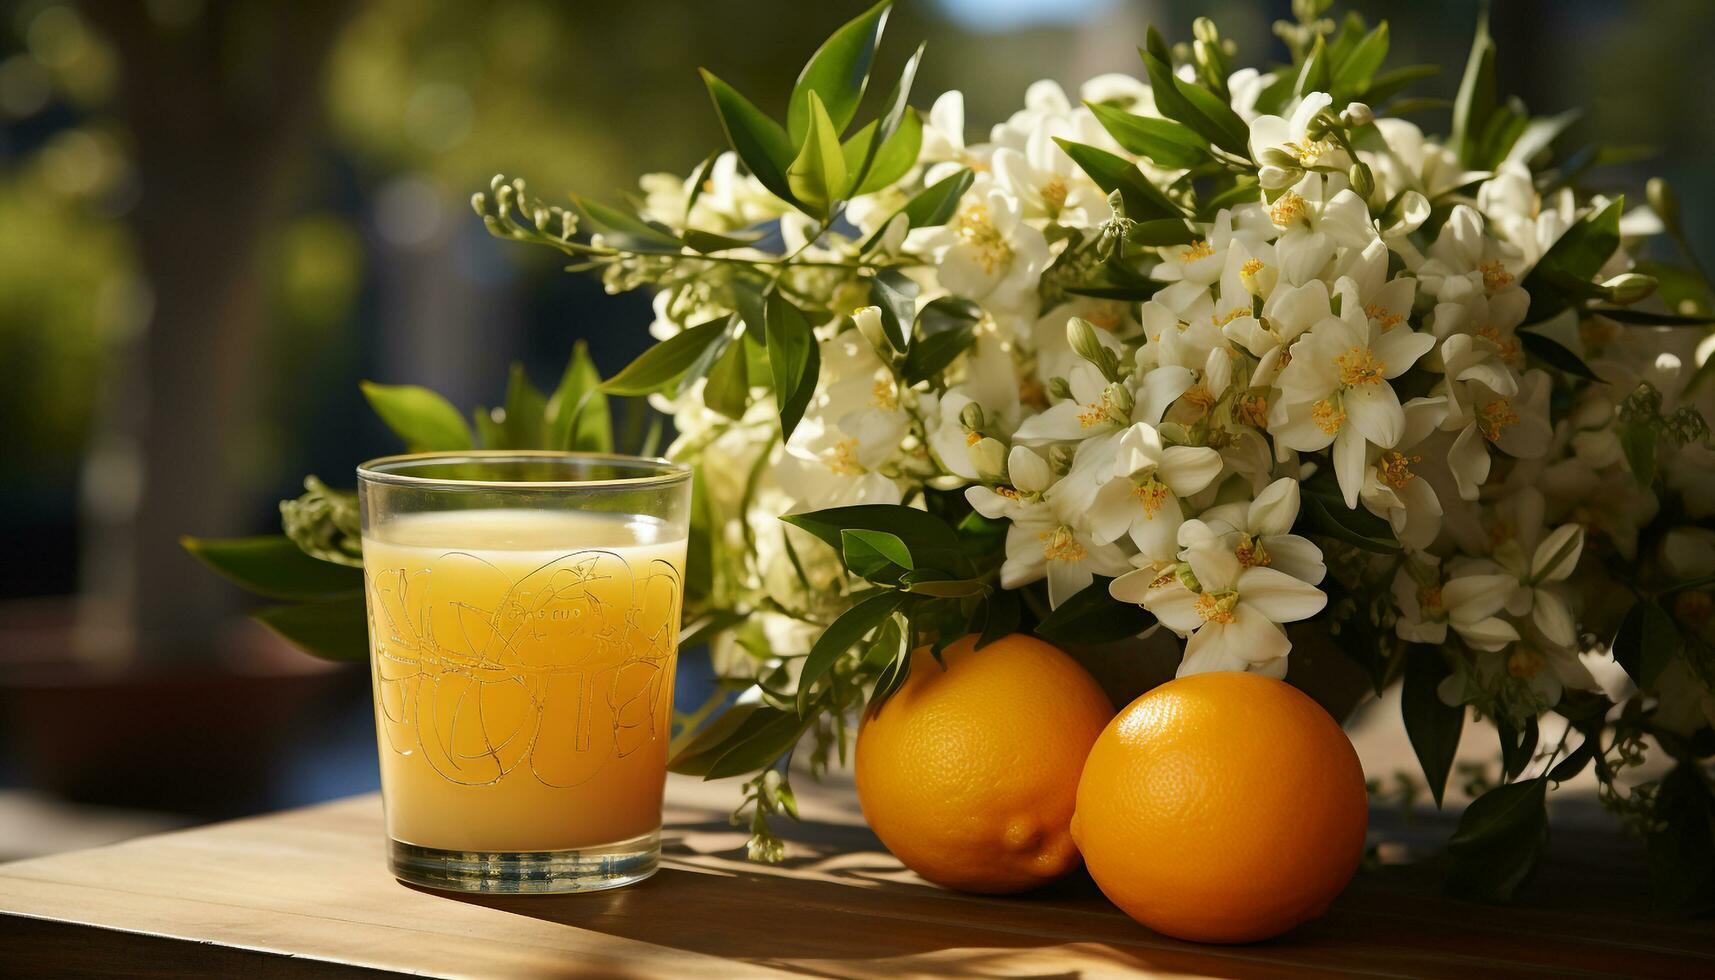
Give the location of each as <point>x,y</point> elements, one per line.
<point>522,663</point>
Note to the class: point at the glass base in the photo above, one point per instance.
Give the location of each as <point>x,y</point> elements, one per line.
<point>585,869</point>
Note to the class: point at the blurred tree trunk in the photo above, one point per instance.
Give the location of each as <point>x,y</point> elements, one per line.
<point>219,109</point>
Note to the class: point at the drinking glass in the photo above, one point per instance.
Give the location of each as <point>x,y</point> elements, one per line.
<point>523,625</point>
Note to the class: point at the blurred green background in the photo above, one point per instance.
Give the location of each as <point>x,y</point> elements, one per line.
<point>216,217</point>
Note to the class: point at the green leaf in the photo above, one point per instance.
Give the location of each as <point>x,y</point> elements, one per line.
<point>1143,200</point>
<point>1638,442</point>
<point>1001,613</point>
<point>818,175</point>
<point>1353,72</point>
<point>1476,98</point>
<point>1433,727</point>
<point>837,74</point>
<point>707,242</point>
<point>947,313</point>
<point>1518,745</point>
<point>1648,318</point>
<point>1326,514</point>
<point>875,555</point>
<point>1313,75</point>
<point>793,359</point>
<point>1648,640</point>
<point>949,588</point>
<point>932,354</point>
<point>758,140</point>
<point>426,421</point>
<point>842,634</point>
<point>1094,616</point>
<point>666,362</point>
<point>1196,107</point>
<point>273,566</point>
<point>1553,353</point>
<point>705,362</point>
<point>1390,83</point>
<point>525,423</point>
<point>892,159</point>
<point>1500,838</point>
<point>578,415</point>
<point>700,179</point>
<point>1165,142</point>
<point>632,231</point>
<point>332,629</point>
<point>759,739</point>
<point>728,388</point>
<point>1682,844</point>
<point>1161,232</point>
<point>896,294</point>
<point>937,203</point>
<point>933,544</point>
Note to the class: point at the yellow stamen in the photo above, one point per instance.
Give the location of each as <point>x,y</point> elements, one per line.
<point>1216,608</point>
<point>1200,396</point>
<point>845,461</point>
<point>1526,663</point>
<point>1061,545</point>
<point>1495,275</point>
<point>1288,209</point>
<point>1378,312</point>
<point>1009,493</point>
<point>1198,249</point>
<point>1429,601</point>
<point>1054,194</point>
<point>972,438</point>
<point>1096,414</point>
<point>1253,411</point>
<point>1222,319</point>
<point>1394,469</point>
<point>1252,554</point>
<point>1151,494</point>
<point>1328,416</point>
<point>1494,417</point>
<point>1507,349</point>
<point>976,228</point>
<point>1309,151</point>
<point>884,395</point>
<point>1359,366</point>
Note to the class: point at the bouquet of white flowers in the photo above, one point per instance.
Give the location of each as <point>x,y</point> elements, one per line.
<point>1212,352</point>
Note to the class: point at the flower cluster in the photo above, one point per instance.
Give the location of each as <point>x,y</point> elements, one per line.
<point>1222,350</point>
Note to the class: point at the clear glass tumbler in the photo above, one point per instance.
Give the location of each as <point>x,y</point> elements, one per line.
<point>523,625</point>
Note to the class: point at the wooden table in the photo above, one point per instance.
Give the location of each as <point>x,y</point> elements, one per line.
<point>307,893</point>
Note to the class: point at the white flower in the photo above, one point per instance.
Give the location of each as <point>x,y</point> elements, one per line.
<point>1134,489</point>
<point>1046,544</point>
<point>1259,533</point>
<point>1392,487</point>
<point>989,254</point>
<point>1292,138</point>
<point>1467,603</point>
<point>1335,390</point>
<point>1028,476</point>
<point>1232,618</point>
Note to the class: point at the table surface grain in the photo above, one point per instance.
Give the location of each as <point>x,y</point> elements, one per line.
<point>307,893</point>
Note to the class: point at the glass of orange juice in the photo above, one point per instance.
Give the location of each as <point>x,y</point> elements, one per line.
<point>523,624</point>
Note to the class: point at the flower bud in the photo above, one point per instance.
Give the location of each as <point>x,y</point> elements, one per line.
<point>1664,202</point>
<point>868,320</point>
<point>1119,401</point>
<point>1081,335</point>
<point>1059,389</point>
<point>1275,178</point>
<point>1629,287</point>
<point>988,457</point>
<point>1060,459</point>
<point>1203,29</point>
<point>971,417</point>
<point>1362,180</point>
<point>1357,114</point>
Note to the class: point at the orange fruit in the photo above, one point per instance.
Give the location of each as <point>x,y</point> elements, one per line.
<point>968,774</point>
<point>1222,808</point>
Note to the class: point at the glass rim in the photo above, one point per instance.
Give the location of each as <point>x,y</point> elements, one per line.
<point>663,472</point>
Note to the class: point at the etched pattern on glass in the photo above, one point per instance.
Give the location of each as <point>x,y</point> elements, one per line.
<point>554,674</point>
